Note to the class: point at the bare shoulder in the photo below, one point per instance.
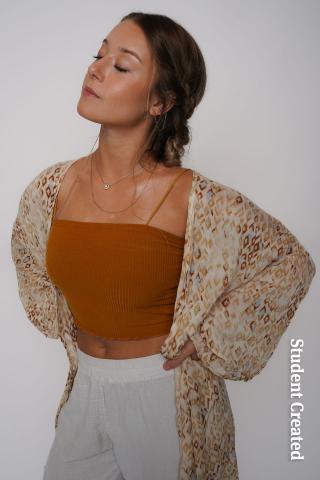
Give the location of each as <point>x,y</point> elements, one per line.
<point>183,183</point>
<point>69,177</point>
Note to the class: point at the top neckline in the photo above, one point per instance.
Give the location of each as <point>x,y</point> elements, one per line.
<point>80,222</point>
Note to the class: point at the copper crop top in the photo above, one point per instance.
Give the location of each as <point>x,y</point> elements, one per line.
<point>120,280</point>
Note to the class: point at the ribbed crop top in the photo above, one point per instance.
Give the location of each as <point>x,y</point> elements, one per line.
<point>120,279</point>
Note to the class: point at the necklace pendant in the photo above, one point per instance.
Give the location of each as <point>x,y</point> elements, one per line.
<point>107,186</point>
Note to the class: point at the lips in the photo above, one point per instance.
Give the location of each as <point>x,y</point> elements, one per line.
<point>89,90</point>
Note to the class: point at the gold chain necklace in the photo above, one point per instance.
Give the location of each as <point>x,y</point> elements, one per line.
<point>106,186</point>
<point>118,211</point>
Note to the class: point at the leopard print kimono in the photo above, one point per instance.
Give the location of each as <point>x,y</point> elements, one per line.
<point>243,277</point>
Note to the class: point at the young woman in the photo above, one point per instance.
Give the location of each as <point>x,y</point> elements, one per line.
<point>129,258</point>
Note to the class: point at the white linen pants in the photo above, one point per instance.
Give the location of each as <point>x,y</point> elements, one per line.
<point>119,423</point>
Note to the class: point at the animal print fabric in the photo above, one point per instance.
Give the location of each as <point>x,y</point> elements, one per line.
<point>243,277</point>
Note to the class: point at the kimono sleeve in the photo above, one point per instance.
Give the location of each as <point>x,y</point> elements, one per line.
<point>272,276</point>
<point>36,291</point>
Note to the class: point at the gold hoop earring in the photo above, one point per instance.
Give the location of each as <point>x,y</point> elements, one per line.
<point>164,121</point>
<point>157,121</point>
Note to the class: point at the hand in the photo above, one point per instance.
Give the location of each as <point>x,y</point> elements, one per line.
<point>187,350</point>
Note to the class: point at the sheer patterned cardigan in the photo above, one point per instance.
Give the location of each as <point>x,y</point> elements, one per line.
<point>243,277</point>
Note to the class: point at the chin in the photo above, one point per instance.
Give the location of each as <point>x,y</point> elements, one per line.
<point>88,113</point>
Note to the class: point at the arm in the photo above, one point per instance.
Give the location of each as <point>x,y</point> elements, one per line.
<point>36,291</point>
<point>272,275</point>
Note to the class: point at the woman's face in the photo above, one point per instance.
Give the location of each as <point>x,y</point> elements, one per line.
<point>119,78</point>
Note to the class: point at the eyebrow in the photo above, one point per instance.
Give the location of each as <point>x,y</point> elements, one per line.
<point>125,50</point>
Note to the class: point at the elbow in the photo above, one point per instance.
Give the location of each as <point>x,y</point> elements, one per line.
<point>311,267</point>
<point>307,269</point>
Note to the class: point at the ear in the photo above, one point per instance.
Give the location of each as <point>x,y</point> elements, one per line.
<point>170,101</point>
<point>159,107</point>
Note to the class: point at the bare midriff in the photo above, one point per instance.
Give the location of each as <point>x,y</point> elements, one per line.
<point>101,347</point>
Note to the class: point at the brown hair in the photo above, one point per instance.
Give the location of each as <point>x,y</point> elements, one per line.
<point>181,69</point>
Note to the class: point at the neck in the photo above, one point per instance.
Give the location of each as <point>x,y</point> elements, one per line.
<point>116,158</point>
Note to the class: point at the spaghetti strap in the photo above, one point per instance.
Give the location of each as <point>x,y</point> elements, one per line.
<point>166,194</point>
<point>70,189</point>
<point>55,203</point>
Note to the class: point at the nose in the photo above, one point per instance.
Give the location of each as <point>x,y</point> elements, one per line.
<point>94,71</point>
<point>98,68</point>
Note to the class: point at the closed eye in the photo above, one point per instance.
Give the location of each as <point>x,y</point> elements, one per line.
<point>97,57</point>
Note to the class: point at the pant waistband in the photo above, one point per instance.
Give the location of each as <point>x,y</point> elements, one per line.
<point>128,369</point>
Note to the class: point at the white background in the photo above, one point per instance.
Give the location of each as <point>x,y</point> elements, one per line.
<point>256,130</point>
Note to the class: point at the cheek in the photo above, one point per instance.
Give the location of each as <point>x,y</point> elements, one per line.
<point>124,101</point>
<point>122,92</point>
<point>126,95</point>
<point>126,86</point>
